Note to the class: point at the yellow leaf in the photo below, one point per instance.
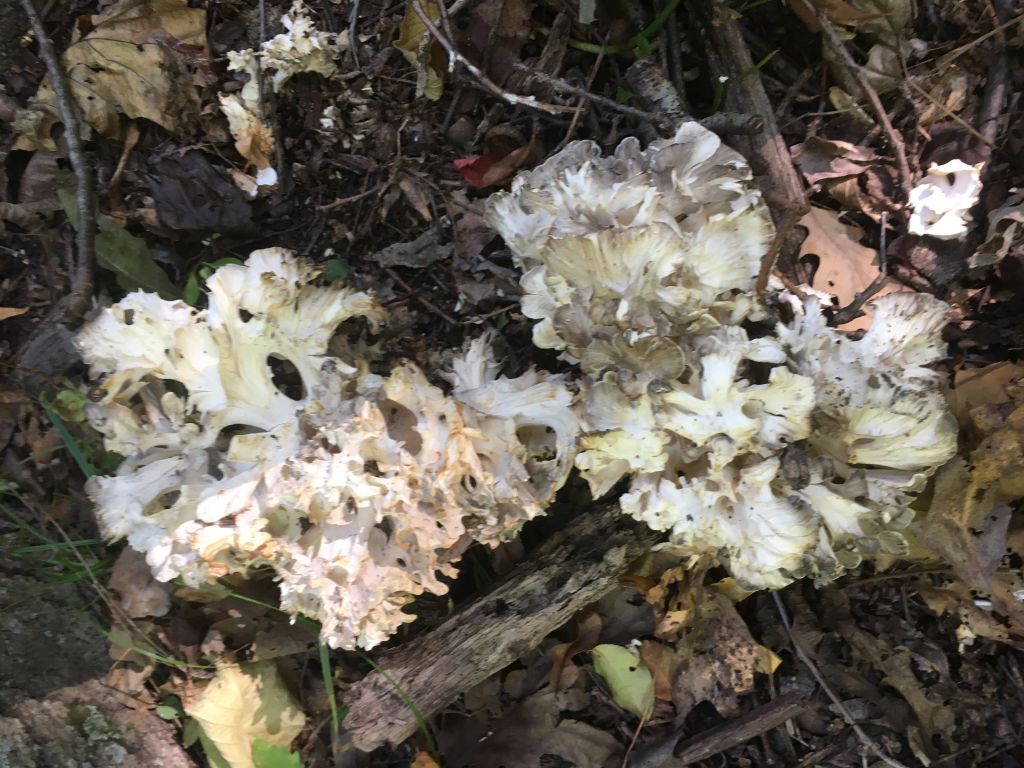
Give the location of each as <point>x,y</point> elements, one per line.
<point>423,760</point>
<point>418,46</point>
<point>244,703</point>
<point>631,683</point>
<point>6,312</point>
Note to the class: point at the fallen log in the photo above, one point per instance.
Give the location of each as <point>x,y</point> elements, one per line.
<point>575,568</point>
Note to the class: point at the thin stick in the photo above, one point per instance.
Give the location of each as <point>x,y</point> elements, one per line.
<point>857,71</point>
<point>346,200</point>
<point>85,238</point>
<point>579,105</point>
<point>484,80</point>
<point>561,85</point>
<point>427,304</point>
<point>852,310</point>
<point>866,740</point>
<point>789,220</point>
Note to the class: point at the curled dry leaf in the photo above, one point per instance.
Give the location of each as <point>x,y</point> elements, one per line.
<point>1005,232</point>
<point>588,629</point>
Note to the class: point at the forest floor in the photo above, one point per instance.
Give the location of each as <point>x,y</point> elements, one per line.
<point>384,160</point>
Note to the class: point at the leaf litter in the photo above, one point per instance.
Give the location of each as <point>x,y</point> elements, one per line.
<point>916,648</point>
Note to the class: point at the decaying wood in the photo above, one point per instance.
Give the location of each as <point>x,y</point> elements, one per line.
<point>767,153</point>
<point>736,732</point>
<point>575,568</point>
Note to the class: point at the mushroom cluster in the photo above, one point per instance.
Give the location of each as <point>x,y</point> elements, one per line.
<point>255,437</point>
<point>358,490</point>
<point>783,450</point>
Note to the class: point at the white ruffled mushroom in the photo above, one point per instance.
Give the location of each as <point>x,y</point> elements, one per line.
<point>943,198</point>
<point>360,491</point>
<point>641,268</point>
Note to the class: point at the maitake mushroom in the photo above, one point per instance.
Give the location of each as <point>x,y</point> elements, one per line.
<point>358,490</point>
<point>782,453</point>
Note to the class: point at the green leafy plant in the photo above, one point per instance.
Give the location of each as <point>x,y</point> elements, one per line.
<point>272,756</point>
<point>200,274</point>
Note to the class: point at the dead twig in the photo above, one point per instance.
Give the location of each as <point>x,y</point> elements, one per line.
<point>837,702</point>
<point>852,310</point>
<point>346,200</point>
<point>766,151</point>
<point>427,304</point>
<point>568,88</point>
<point>744,728</point>
<point>857,71</point>
<point>485,82</point>
<point>77,301</point>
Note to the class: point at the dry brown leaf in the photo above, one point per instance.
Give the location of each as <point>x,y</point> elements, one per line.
<point>141,594</point>
<point>500,27</point>
<point>970,514</point>
<point>956,599</point>
<point>588,630</point>
<point>664,664</point>
<point>523,736</point>
<point>719,658</point>
<point>819,159</point>
<point>8,312</point>
<point>982,387</point>
<point>845,267</point>
<point>130,62</point>
<point>423,760</point>
<point>934,715</point>
<point>838,11</point>
<point>416,197</point>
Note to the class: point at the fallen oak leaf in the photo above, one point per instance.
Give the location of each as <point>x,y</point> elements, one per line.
<point>845,267</point>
